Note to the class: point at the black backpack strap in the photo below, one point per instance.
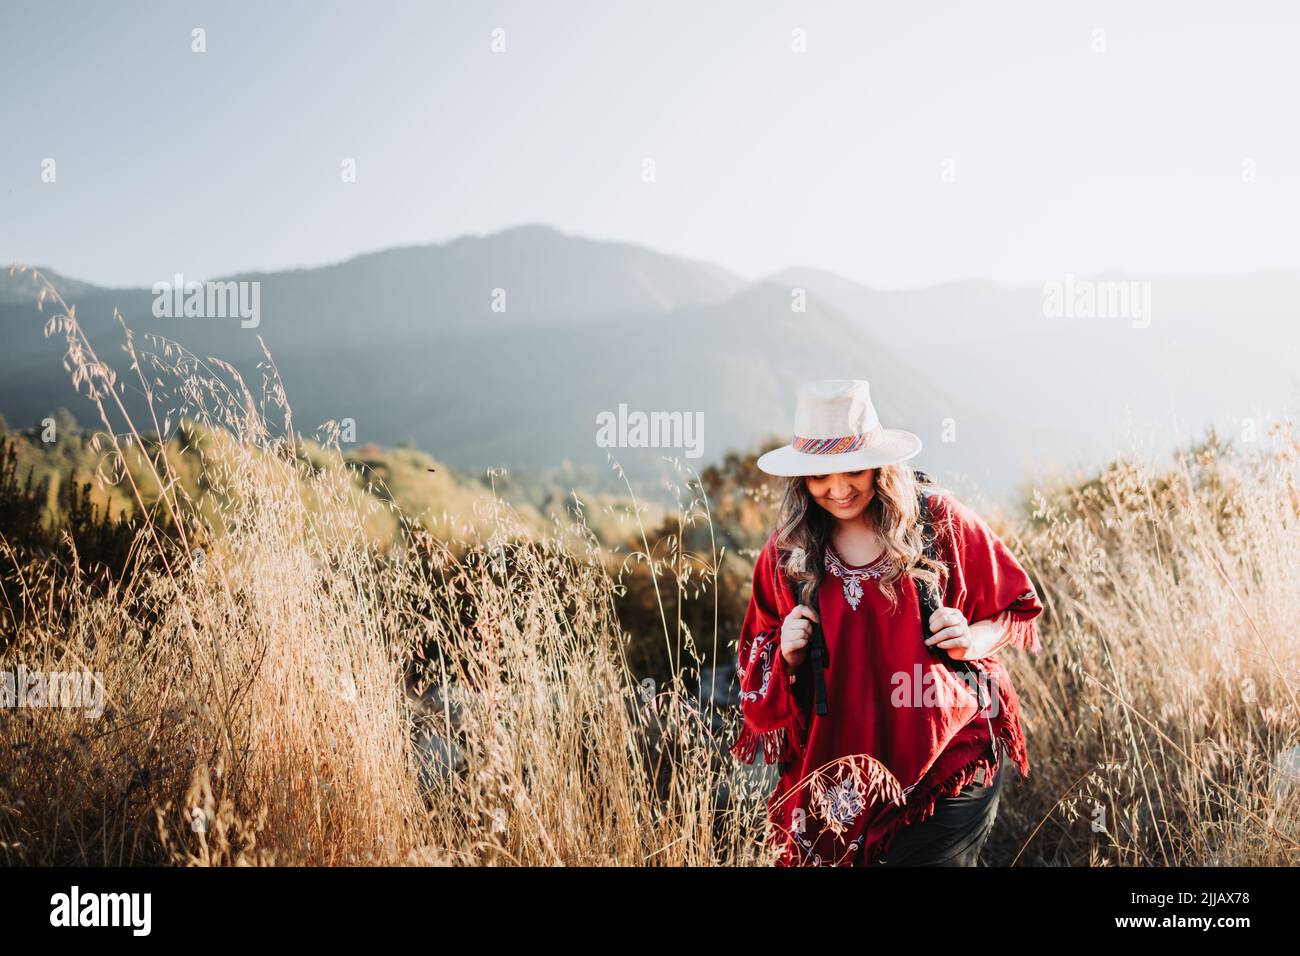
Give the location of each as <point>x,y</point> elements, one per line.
<point>926,600</point>
<point>926,519</point>
<point>819,655</point>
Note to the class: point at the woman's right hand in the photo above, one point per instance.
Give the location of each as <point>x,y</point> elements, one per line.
<point>796,632</point>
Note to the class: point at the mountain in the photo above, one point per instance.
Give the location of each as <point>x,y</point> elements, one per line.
<point>19,290</point>
<point>531,398</point>
<point>402,306</point>
<point>544,275</point>
<point>406,343</point>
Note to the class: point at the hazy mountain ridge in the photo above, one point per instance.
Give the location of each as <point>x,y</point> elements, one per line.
<point>405,342</point>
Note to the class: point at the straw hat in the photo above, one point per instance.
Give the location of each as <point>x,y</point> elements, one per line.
<point>836,429</point>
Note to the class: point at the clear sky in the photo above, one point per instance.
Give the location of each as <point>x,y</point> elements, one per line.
<point>1063,158</point>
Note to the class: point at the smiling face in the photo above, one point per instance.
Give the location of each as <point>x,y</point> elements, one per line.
<point>844,495</point>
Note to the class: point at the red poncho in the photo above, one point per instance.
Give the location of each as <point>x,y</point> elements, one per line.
<point>889,697</point>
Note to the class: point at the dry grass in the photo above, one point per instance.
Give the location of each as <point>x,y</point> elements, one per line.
<point>260,680</point>
<point>265,683</point>
<point>1167,684</point>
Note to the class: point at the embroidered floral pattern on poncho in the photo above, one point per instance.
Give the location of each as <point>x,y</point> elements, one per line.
<point>853,577</point>
<point>763,649</point>
<point>844,803</point>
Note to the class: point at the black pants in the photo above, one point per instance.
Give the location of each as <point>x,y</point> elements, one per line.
<point>956,832</point>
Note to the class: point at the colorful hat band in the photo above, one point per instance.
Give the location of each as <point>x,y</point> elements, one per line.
<point>833,446</point>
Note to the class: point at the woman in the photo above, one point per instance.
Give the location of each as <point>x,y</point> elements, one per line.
<point>890,737</point>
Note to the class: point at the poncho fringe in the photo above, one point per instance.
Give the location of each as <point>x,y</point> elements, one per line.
<point>780,743</point>
<point>1021,632</point>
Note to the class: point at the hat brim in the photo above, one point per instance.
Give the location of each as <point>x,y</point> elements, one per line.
<point>894,445</point>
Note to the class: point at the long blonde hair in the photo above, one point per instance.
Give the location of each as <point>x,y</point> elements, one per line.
<point>804,527</point>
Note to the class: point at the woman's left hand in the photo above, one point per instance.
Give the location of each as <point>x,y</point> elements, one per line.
<point>950,631</point>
